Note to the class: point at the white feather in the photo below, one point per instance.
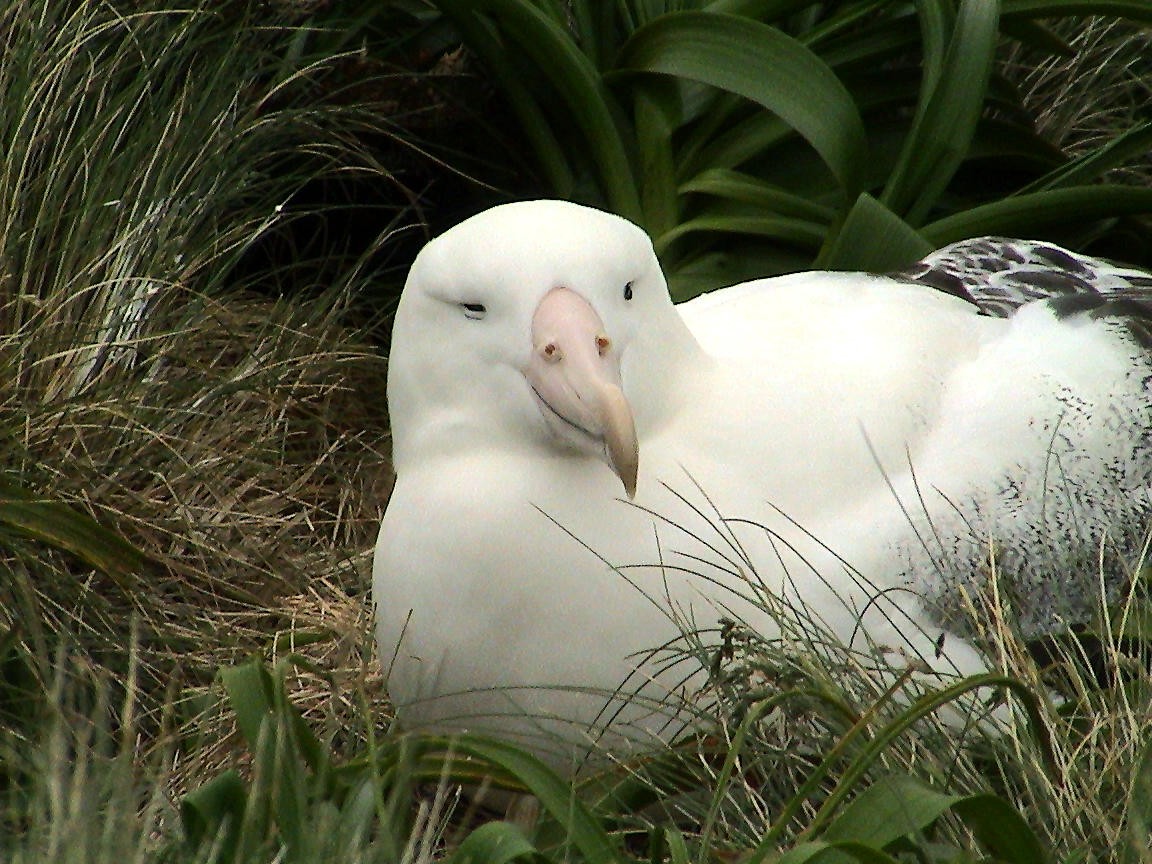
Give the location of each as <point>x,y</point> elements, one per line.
<point>852,418</point>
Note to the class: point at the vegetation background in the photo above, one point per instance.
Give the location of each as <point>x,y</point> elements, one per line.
<point>206,212</point>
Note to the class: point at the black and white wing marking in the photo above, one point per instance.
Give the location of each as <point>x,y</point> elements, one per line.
<point>998,275</point>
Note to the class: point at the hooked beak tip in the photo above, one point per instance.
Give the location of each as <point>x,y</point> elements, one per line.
<point>620,441</point>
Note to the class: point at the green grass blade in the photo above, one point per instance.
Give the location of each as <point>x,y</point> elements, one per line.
<point>762,64</point>
<point>737,186</point>
<point>1022,214</point>
<point>1130,144</point>
<point>872,239</point>
<point>796,231</point>
<point>1139,811</point>
<point>62,527</point>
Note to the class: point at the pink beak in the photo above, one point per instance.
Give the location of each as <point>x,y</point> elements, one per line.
<point>576,374</point>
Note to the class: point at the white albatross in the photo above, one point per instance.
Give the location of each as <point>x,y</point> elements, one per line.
<point>585,469</point>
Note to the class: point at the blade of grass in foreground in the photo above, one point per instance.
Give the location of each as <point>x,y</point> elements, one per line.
<point>63,527</point>
<point>581,827</point>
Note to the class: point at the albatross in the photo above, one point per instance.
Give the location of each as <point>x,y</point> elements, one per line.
<point>587,472</point>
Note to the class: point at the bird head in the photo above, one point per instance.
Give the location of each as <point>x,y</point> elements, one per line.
<point>528,325</point>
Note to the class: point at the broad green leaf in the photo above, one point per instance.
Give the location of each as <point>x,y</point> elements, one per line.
<point>595,26</point>
<point>873,239</point>
<point>737,186</point>
<point>881,739</point>
<point>892,807</point>
<point>740,143</point>
<point>761,10</point>
<point>249,690</point>
<point>533,123</point>
<point>762,64</point>
<point>871,46</point>
<point>577,81</point>
<point>741,262</point>
<point>937,20</point>
<point>657,110</point>
<point>1036,36</point>
<point>1000,829</point>
<point>677,848</point>
<point>213,814</point>
<point>259,700</point>
<point>62,527</point>
<point>1016,144</point>
<point>494,843</point>
<point>946,119</point>
<point>279,787</point>
<point>582,829</point>
<point>797,231</point>
<point>821,852</point>
<point>1022,214</point>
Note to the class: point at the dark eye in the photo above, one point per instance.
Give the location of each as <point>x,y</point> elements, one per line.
<point>475,311</point>
<point>628,291</point>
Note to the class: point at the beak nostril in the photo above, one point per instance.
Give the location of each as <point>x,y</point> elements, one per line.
<point>603,344</point>
<point>550,351</point>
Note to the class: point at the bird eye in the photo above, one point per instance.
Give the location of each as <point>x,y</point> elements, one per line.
<point>475,311</point>
<point>628,291</point>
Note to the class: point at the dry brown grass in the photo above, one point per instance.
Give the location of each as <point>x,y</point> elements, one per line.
<point>238,441</point>
<point>241,444</point>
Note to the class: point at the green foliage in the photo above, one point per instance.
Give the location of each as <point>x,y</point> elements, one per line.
<point>292,775</point>
<point>65,528</point>
<point>758,137</point>
<point>884,788</point>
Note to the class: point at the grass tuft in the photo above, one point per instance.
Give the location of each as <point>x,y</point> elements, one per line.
<point>155,380</point>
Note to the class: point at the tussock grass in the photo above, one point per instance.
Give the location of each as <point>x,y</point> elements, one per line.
<point>1082,101</point>
<point>800,735</point>
<point>787,707</point>
<point>152,378</point>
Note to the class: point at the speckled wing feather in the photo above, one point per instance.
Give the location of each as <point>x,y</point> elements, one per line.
<point>999,275</point>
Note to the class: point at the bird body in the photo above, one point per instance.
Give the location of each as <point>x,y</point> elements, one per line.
<point>585,471</point>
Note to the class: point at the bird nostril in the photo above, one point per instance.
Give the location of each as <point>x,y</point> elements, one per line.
<point>603,345</point>
<point>550,351</point>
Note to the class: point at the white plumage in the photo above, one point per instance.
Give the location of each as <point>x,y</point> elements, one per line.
<point>858,433</point>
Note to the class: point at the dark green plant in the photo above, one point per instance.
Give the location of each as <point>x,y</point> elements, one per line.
<point>877,819</point>
<point>759,136</point>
